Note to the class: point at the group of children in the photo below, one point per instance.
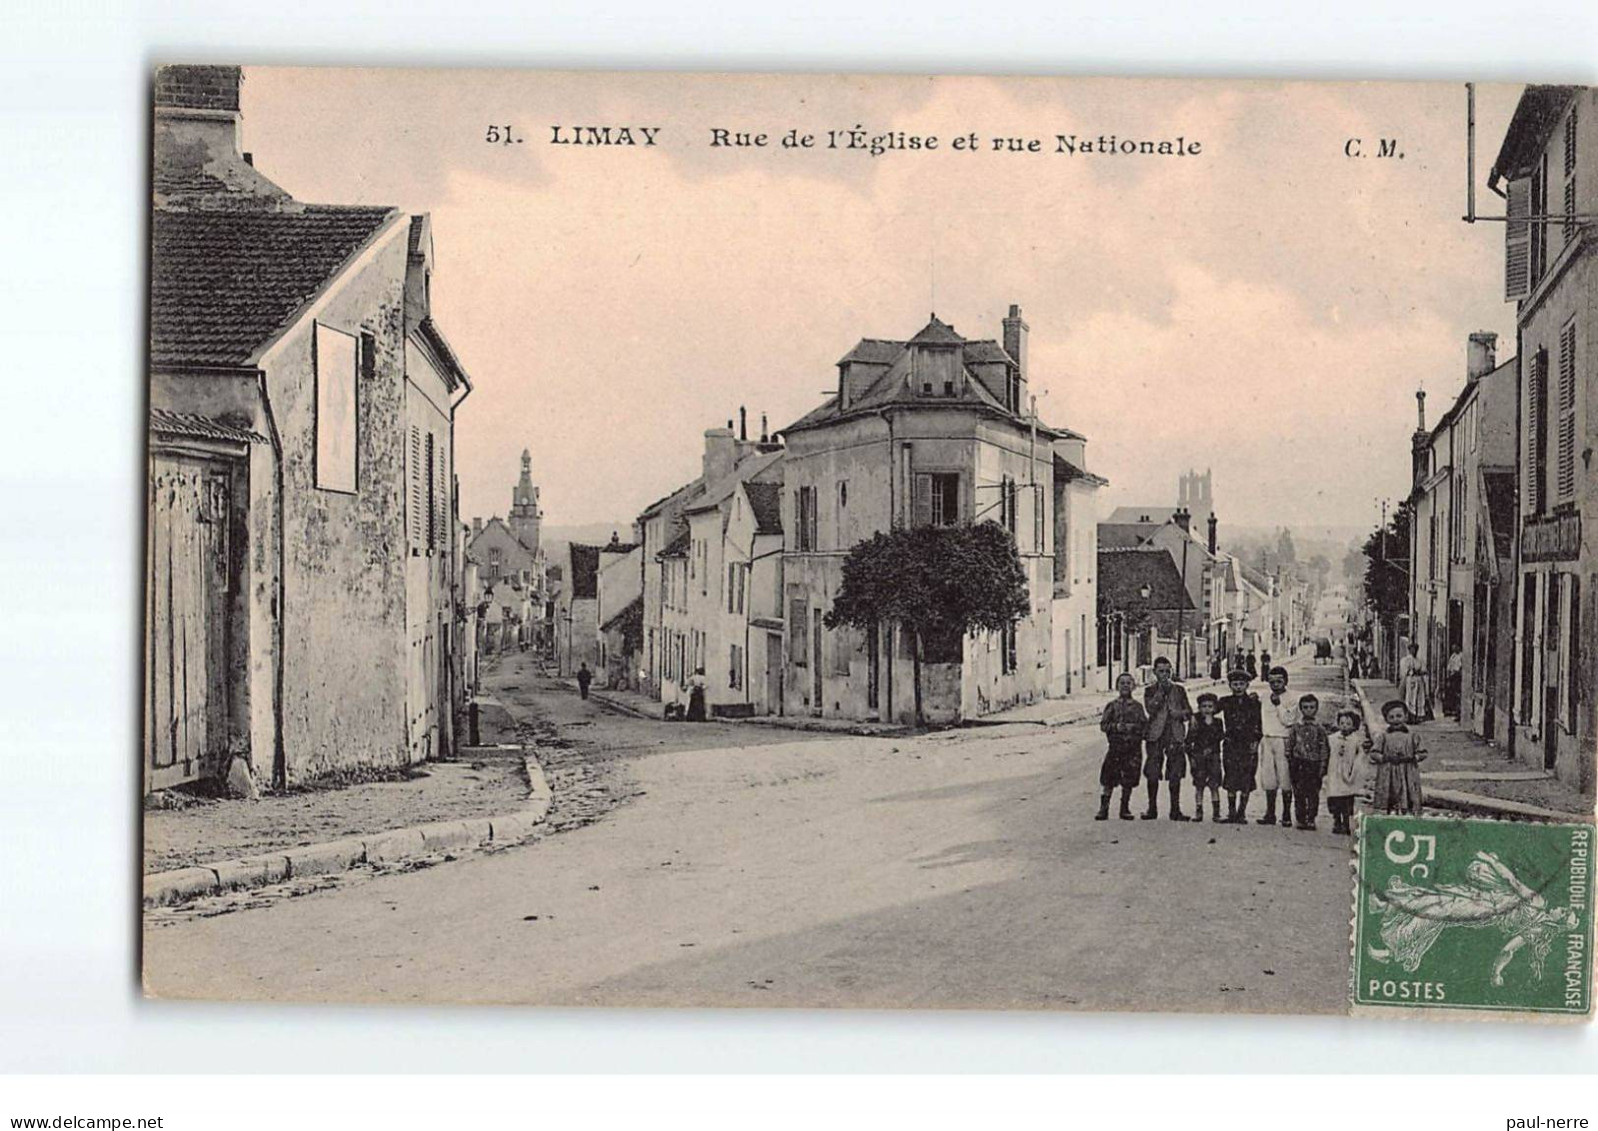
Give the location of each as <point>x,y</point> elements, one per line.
<point>1239,743</point>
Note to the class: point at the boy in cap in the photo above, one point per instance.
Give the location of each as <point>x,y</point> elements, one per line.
<point>1240,750</point>
<point>1204,756</point>
<point>1168,709</point>
<point>1308,752</point>
<point>1124,722</point>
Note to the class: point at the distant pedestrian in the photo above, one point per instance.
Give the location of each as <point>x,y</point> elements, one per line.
<point>1415,685</point>
<point>1240,752</point>
<point>1265,662</point>
<point>696,696</point>
<point>1168,710</point>
<point>1237,658</point>
<point>1251,664</point>
<point>1308,753</point>
<point>1204,756</point>
<point>1277,717</point>
<point>1453,678</point>
<point>584,678</point>
<point>1397,754</point>
<point>1124,723</point>
<point>1347,769</point>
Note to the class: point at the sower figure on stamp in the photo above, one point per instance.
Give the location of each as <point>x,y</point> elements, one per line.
<point>1240,750</point>
<point>1168,710</point>
<point>1125,723</point>
<point>1277,717</point>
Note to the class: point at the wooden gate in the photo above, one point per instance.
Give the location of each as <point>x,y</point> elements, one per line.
<point>186,619</point>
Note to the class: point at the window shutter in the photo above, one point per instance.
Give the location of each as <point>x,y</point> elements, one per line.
<point>922,513</point>
<point>415,515</point>
<point>1536,431</point>
<point>432,493</point>
<point>1567,411</point>
<point>1517,241</point>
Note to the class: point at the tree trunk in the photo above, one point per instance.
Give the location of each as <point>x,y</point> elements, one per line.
<point>915,659</point>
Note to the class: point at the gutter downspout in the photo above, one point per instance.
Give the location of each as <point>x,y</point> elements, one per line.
<point>279,756</point>
<point>456,577</point>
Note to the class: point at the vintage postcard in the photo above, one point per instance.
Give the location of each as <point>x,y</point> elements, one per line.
<point>880,542</point>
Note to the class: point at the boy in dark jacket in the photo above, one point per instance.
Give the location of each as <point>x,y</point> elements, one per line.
<point>1124,722</point>
<point>1308,754</point>
<point>1240,752</point>
<point>1204,756</point>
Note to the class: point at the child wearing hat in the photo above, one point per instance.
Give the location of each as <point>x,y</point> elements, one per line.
<point>1204,756</point>
<point>1124,722</point>
<point>1345,777</point>
<point>1397,753</point>
<point>1240,750</point>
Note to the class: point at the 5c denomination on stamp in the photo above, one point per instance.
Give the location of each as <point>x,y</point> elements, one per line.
<point>1473,914</point>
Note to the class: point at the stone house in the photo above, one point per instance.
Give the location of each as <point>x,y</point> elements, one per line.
<point>1547,171</point>
<point>618,611</point>
<point>930,430</point>
<point>1461,592</point>
<point>1143,588</point>
<point>1079,660</point>
<point>577,611</point>
<point>301,571</point>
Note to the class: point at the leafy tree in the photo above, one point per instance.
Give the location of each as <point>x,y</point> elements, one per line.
<point>1387,565</point>
<point>936,582</point>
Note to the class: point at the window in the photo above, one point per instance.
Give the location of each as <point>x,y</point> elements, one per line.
<point>433,531</point>
<point>735,665</point>
<point>1570,661</point>
<point>1537,434</point>
<point>1565,450</point>
<point>798,622</point>
<point>805,519</point>
<point>737,583</point>
<point>1539,227</point>
<point>1007,503</point>
<point>1570,229</point>
<point>1007,659</point>
<point>333,361</point>
<point>937,499</point>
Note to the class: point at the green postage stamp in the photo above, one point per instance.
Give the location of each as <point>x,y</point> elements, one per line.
<point>1473,915</point>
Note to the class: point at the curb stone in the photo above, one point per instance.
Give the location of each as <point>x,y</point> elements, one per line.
<point>179,885</point>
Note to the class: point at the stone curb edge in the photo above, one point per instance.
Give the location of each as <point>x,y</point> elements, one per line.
<point>162,889</point>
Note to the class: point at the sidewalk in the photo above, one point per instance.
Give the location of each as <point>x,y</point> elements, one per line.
<point>643,707</point>
<point>1467,773</point>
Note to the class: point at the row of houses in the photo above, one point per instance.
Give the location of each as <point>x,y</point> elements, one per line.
<point>303,566</point>
<point>1503,582</point>
<point>728,578</point>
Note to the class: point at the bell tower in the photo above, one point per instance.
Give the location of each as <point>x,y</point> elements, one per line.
<point>525,516</point>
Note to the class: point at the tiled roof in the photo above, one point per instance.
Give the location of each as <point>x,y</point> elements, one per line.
<point>678,546</point>
<point>765,500</point>
<point>1123,535</point>
<point>1123,573</point>
<point>1156,515</point>
<point>199,427</point>
<point>936,333</point>
<point>585,570</point>
<point>1065,469</point>
<point>631,613</point>
<point>224,281</point>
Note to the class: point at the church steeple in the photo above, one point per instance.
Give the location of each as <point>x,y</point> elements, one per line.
<point>525,515</point>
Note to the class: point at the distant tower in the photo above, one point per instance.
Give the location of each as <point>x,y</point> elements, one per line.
<point>525,517</point>
<point>1193,494</point>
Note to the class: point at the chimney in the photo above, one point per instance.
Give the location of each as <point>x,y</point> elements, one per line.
<point>721,453</point>
<point>765,436</point>
<point>1481,355</point>
<point>1213,524</point>
<point>197,140</point>
<point>743,424</point>
<point>477,525</point>
<point>1420,411</point>
<point>1183,518</point>
<point>1015,331</point>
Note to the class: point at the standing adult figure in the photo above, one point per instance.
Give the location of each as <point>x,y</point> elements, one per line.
<point>1415,684</point>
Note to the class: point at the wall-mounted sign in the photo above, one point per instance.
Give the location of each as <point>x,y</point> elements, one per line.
<point>1553,538</point>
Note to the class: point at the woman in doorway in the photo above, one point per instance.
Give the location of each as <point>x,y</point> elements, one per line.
<point>1415,684</point>
<point>696,696</point>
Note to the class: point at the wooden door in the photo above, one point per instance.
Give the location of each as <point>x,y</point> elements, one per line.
<point>773,673</point>
<point>186,619</point>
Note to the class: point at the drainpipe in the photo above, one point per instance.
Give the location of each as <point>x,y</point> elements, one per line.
<point>279,757</point>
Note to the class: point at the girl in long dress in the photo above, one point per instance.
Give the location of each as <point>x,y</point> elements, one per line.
<point>1414,684</point>
<point>1397,754</point>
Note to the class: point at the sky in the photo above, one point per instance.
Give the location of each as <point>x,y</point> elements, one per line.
<point>1265,309</point>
